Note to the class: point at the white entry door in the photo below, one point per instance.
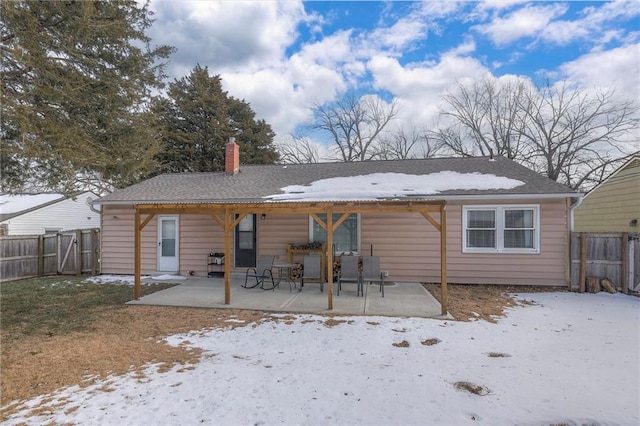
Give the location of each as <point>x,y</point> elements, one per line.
<point>168,243</point>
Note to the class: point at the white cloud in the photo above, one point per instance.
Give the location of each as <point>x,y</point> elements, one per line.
<point>592,27</point>
<point>419,87</point>
<point>525,22</point>
<point>612,69</point>
<point>223,35</point>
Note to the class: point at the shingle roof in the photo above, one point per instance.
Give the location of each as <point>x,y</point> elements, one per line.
<point>255,182</point>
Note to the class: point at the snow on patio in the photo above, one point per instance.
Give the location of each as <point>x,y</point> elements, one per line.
<point>567,358</point>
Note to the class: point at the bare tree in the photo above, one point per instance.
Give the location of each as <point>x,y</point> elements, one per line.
<point>405,144</point>
<point>298,150</point>
<point>570,135</point>
<point>354,125</point>
<point>574,136</point>
<point>486,116</point>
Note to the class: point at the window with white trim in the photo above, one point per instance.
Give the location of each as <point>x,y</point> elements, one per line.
<point>501,229</point>
<point>346,238</point>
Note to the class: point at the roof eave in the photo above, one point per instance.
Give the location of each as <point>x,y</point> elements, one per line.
<point>435,197</point>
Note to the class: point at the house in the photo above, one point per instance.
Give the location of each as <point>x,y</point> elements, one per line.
<point>29,214</point>
<point>461,220</point>
<point>614,204</point>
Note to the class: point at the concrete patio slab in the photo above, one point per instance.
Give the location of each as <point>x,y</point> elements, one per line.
<point>401,299</point>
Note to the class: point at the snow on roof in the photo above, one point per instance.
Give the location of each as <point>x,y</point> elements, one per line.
<point>18,203</point>
<point>392,185</point>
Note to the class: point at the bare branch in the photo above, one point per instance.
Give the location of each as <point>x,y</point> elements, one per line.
<point>355,125</point>
<point>299,150</point>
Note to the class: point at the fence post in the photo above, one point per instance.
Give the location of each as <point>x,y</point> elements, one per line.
<point>583,262</point>
<point>40,255</point>
<point>78,250</point>
<point>94,253</point>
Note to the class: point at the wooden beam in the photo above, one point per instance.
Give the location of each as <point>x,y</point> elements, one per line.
<point>431,220</point>
<point>147,220</point>
<point>219,221</point>
<point>329,265</point>
<point>228,227</point>
<point>339,221</point>
<point>238,219</point>
<point>444,296</point>
<point>318,221</point>
<point>137,289</point>
<point>294,207</point>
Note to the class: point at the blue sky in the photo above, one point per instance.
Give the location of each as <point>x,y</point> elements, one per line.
<point>283,57</point>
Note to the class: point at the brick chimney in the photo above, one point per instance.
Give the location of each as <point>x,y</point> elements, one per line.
<point>232,157</point>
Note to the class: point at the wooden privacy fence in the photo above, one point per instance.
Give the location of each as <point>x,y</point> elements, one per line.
<point>69,252</point>
<point>614,256</point>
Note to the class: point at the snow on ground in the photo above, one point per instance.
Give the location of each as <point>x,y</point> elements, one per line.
<point>129,279</point>
<point>569,358</point>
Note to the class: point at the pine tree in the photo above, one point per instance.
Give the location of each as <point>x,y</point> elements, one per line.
<point>77,78</point>
<point>199,117</point>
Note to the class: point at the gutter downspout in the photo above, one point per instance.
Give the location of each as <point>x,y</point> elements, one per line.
<point>91,207</point>
<point>577,204</point>
<point>569,259</point>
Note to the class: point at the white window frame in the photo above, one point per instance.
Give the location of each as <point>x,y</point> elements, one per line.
<point>359,223</point>
<point>500,228</point>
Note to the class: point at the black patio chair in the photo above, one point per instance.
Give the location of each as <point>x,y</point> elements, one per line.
<point>261,272</point>
<point>371,271</point>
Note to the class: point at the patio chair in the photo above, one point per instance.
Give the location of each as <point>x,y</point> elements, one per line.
<point>311,269</point>
<point>261,272</point>
<point>371,271</point>
<point>350,273</point>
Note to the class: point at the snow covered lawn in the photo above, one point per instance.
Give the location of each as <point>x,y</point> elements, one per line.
<point>567,358</point>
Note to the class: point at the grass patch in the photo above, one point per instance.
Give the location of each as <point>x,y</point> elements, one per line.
<point>472,388</point>
<point>58,305</point>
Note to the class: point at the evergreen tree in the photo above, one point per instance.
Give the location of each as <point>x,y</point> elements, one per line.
<point>199,118</point>
<point>76,83</point>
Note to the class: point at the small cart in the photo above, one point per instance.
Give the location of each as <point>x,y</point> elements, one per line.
<point>215,265</point>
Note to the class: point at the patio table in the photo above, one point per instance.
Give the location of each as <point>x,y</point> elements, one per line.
<point>285,273</point>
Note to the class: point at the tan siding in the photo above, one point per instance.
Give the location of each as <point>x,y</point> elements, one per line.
<point>199,236</point>
<point>117,245</point>
<point>408,245</point>
<point>611,206</point>
<point>276,231</point>
<point>545,268</point>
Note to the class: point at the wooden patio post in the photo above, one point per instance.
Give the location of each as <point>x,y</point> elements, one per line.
<point>330,258</point>
<point>227,256</point>
<point>137,289</point>
<point>443,259</point>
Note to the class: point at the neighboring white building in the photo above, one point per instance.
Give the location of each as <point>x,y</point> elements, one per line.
<point>46,213</point>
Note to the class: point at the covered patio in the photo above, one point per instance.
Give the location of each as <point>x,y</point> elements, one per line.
<point>229,215</point>
<point>401,299</point>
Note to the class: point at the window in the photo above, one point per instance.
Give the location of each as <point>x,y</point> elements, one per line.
<point>345,238</point>
<point>501,229</point>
